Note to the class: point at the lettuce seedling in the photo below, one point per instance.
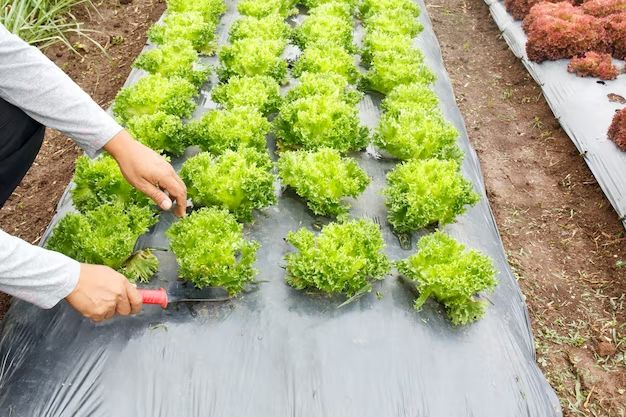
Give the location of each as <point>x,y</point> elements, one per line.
<point>417,134</point>
<point>267,27</point>
<point>220,130</point>
<point>211,10</point>
<point>328,24</point>
<point>190,26</point>
<point>426,192</point>
<point>323,178</point>
<point>160,131</point>
<point>100,182</point>
<point>372,7</point>
<point>259,92</point>
<point>345,258</point>
<point>252,56</point>
<point>319,121</point>
<point>395,21</point>
<point>324,84</point>
<point>155,93</point>
<point>174,59</point>
<point>410,96</point>
<point>389,69</point>
<point>107,236</point>
<point>212,252</point>
<point>239,181</point>
<point>444,270</point>
<point>262,8</point>
<point>325,59</point>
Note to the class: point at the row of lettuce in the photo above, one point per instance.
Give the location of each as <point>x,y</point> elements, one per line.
<point>317,127</point>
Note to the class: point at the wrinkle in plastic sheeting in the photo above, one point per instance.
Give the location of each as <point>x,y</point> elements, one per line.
<point>277,351</point>
<point>583,106</point>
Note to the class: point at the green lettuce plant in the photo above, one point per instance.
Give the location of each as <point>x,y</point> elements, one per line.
<point>107,236</point>
<point>415,96</point>
<point>160,131</point>
<point>444,270</point>
<point>377,41</point>
<point>211,10</point>
<point>323,178</point>
<point>175,59</point>
<point>325,59</point>
<point>311,4</point>
<point>259,92</point>
<point>190,26</point>
<point>369,8</point>
<point>395,21</point>
<point>417,134</point>
<point>99,182</point>
<point>211,250</point>
<point>155,93</point>
<point>220,130</point>
<point>324,84</point>
<point>426,192</point>
<point>253,56</point>
<point>324,30</point>
<point>267,27</point>
<point>317,121</point>
<point>262,8</point>
<point>239,181</point>
<point>345,258</point>
<point>389,69</point>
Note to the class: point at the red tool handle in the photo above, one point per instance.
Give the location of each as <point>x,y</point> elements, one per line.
<point>158,297</point>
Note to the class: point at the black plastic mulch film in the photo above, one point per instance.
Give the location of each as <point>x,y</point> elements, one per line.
<point>582,106</point>
<point>277,351</point>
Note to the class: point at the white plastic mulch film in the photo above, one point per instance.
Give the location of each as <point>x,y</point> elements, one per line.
<point>276,351</point>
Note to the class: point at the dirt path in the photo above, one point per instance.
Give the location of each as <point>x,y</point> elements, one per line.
<point>562,236</point>
<point>122,32</point>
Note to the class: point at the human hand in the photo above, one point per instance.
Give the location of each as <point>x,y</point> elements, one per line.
<point>148,171</point>
<point>102,292</point>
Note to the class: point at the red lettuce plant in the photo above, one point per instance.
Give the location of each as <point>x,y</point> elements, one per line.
<point>616,31</point>
<point>560,30</point>
<point>593,64</point>
<point>604,8</point>
<point>520,8</point>
<point>617,131</point>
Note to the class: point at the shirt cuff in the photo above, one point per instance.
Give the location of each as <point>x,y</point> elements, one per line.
<point>72,273</point>
<point>108,131</point>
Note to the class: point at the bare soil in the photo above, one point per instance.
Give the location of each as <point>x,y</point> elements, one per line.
<point>563,239</point>
<point>121,31</point>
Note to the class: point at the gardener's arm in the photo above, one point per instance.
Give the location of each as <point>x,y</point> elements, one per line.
<point>44,278</point>
<point>32,82</point>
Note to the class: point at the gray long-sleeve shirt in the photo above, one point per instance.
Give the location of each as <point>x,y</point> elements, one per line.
<point>30,81</point>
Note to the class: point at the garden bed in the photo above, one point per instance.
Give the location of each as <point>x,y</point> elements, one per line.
<point>288,351</point>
